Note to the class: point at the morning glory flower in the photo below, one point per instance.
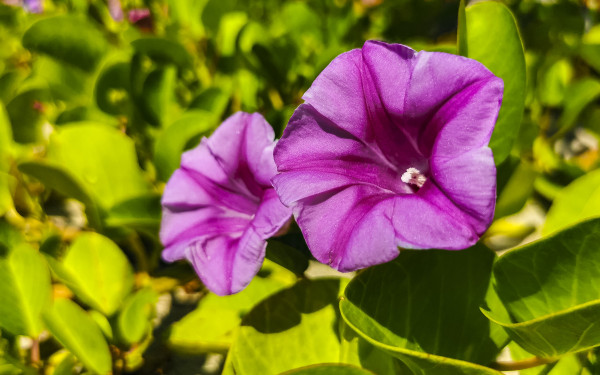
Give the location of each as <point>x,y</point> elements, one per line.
<point>219,207</point>
<point>31,6</point>
<point>390,149</point>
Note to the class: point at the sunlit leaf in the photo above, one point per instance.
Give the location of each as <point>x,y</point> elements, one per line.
<point>134,319</point>
<point>157,99</point>
<point>551,288</point>
<point>99,157</point>
<point>212,325</point>
<point>493,39</point>
<point>97,271</point>
<point>77,332</point>
<point>171,143</point>
<point>579,201</point>
<point>24,290</point>
<point>327,369</point>
<point>293,328</point>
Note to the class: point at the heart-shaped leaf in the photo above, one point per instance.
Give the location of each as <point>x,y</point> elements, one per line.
<point>551,288</point>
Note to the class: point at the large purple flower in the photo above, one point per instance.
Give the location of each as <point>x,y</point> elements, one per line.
<point>219,207</point>
<point>390,150</point>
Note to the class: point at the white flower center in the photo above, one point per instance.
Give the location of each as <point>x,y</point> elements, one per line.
<point>413,176</point>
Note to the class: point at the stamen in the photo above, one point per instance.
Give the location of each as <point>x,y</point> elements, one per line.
<point>413,176</point>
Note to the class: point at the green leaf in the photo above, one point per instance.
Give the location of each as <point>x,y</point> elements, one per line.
<point>112,89</point>
<point>551,289</point>
<point>329,369</point>
<point>99,156</point>
<point>164,51</point>
<point>97,271</point>
<point>357,351</point>
<point>139,213</point>
<point>171,143</point>
<point>68,39</point>
<point>553,81</point>
<point>134,319</point>
<point>579,201</point>
<point>516,190</point>
<point>6,150</point>
<point>211,326</point>
<point>24,291</point>
<point>579,95</point>
<point>56,178</point>
<point>78,333</point>
<point>434,335</point>
<point>463,44</point>
<point>157,100</point>
<point>213,100</point>
<point>26,113</point>
<point>287,256</point>
<point>493,39</point>
<point>293,328</point>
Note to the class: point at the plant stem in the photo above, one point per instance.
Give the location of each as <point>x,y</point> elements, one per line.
<point>522,364</point>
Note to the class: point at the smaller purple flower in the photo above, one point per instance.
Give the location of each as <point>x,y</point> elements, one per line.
<point>390,149</point>
<point>31,6</point>
<point>116,10</point>
<point>219,207</point>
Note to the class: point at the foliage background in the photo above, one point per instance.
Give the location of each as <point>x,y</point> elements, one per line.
<point>95,113</point>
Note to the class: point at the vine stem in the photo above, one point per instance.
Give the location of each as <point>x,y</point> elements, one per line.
<point>35,351</point>
<point>521,364</point>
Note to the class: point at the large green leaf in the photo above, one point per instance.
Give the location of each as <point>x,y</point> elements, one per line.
<point>101,158</point>
<point>293,328</point>
<point>493,39</point>
<point>97,271</point>
<point>551,288</point>
<point>579,201</point>
<point>134,319</point>
<point>211,326</point>
<point>171,143</point>
<point>423,308</point>
<point>69,39</point>
<point>77,332</point>
<point>24,290</point>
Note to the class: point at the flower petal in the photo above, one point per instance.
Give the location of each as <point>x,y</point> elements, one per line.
<point>454,100</point>
<point>315,155</point>
<point>429,219</point>
<point>337,93</point>
<point>226,264</point>
<point>271,215</point>
<point>338,227</point>
<point>470,182</point>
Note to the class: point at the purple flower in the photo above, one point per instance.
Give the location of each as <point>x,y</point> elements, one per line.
<point>390,149</point>
<point>115,9</point>
<point>219,207</point>
<point>31,6</point>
